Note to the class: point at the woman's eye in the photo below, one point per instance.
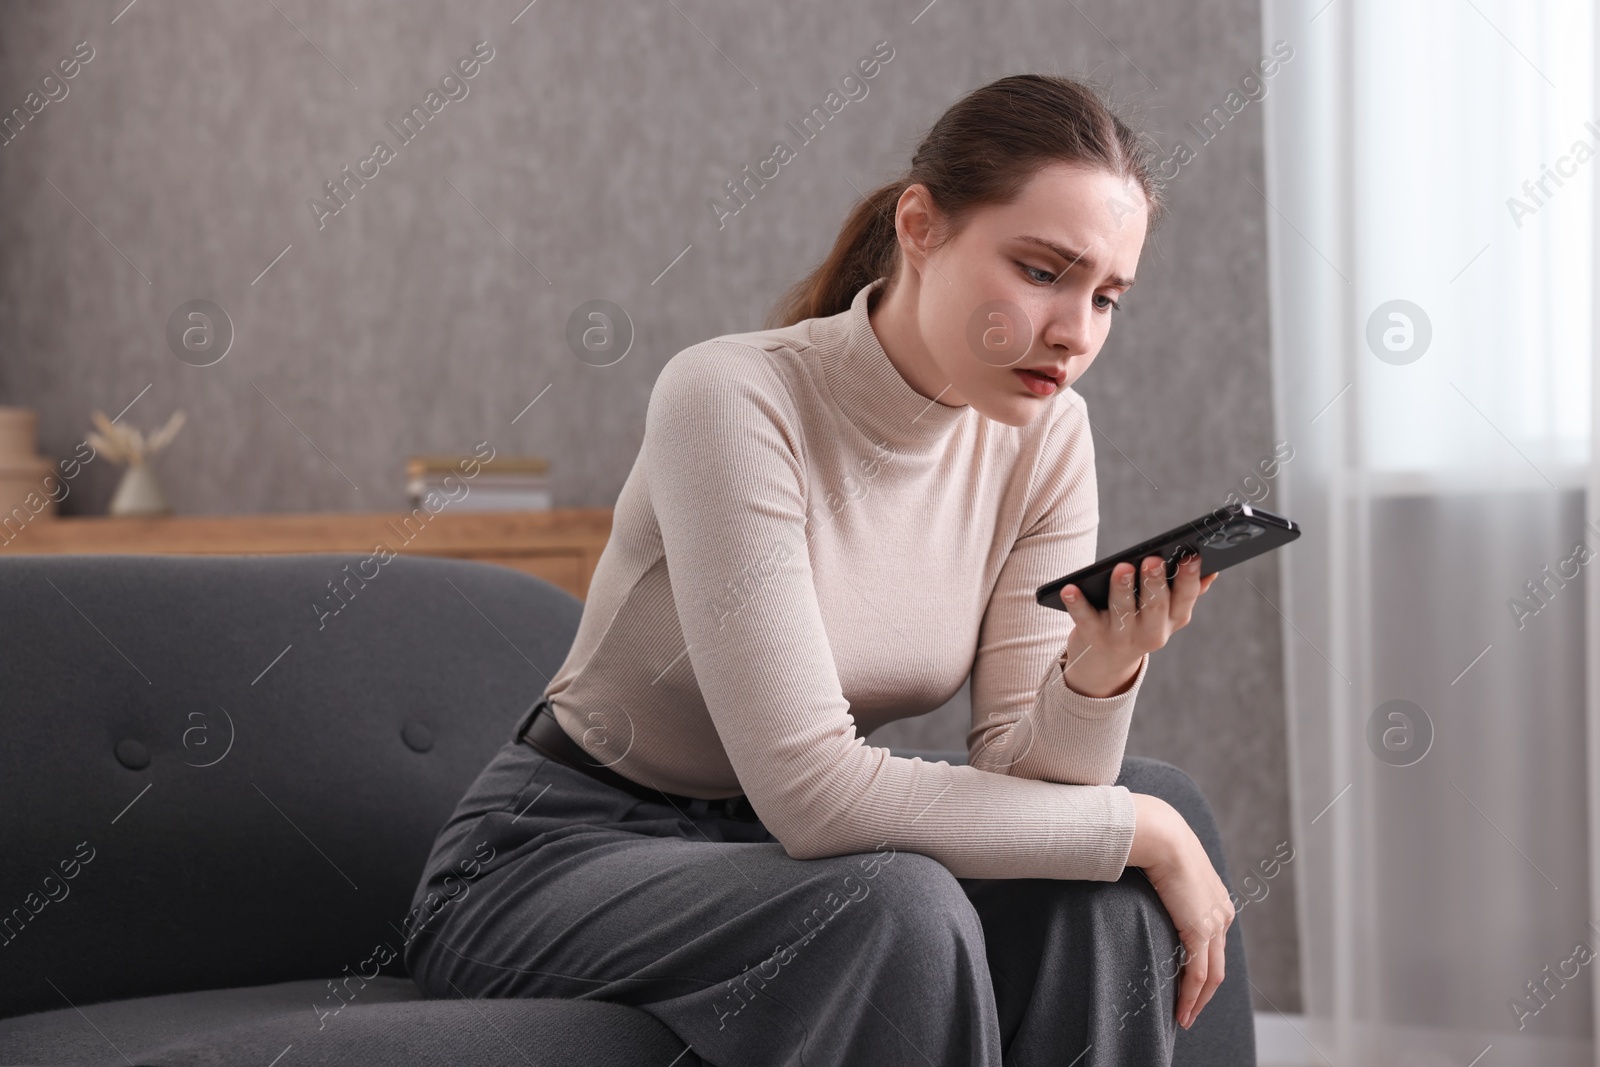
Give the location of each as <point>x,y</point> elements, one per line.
<point>1112,306</point>
<point>1034,272</point>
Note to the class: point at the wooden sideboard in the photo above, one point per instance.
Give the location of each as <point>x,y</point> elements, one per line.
<point>560,546</point>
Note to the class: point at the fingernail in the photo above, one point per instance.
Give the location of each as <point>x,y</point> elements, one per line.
<point>1070,596</point>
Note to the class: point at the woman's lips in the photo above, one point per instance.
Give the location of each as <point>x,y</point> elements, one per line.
<point>1039,384</point>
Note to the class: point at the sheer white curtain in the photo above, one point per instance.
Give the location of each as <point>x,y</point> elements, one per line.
<point>1430,192</point>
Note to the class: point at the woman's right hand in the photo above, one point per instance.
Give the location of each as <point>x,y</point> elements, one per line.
<point>1177,866</point>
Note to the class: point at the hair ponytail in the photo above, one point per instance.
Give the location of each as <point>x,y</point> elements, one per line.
<point>983,150</point>
<point>866,248</point>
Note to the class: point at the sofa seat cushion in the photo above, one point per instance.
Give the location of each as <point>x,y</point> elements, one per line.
<point>388,1022</point>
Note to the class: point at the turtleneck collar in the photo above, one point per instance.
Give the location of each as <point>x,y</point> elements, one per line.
<point>871,392</point>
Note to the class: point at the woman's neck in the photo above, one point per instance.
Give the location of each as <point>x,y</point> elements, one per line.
<point>893,315</point>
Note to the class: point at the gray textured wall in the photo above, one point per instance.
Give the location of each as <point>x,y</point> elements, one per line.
<point>430,311</point>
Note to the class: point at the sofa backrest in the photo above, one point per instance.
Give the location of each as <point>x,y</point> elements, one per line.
<point>228,770</point>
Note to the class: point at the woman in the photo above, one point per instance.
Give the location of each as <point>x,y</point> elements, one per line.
<point>830,524</point>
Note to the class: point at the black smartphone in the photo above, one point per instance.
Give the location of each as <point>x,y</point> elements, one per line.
<point>1221,538</point>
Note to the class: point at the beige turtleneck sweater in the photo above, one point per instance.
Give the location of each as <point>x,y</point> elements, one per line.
<point>807,548</point>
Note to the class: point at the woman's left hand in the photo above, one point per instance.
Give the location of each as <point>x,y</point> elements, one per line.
<point>1105,647</point>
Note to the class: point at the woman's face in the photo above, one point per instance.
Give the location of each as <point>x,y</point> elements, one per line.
<point>1031,284</point>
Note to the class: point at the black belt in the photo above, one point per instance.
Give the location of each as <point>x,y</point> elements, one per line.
<point>543,733</point>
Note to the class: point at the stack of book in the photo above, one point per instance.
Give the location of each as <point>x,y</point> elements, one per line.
<point>503,483</point>
<point>24,488</point>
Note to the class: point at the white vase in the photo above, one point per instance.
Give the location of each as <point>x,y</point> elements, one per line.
<point>139,493</point>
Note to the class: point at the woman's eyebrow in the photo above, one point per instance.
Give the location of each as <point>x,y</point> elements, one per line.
<point>1072,258</point>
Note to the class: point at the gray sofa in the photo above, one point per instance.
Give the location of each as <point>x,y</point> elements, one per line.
<point>216,799</point>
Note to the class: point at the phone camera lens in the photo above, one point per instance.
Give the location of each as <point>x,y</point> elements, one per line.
<point>1232,534</point>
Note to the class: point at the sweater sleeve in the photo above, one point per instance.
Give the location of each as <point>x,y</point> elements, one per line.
<point>727,483</point>
<point>1026,721</point>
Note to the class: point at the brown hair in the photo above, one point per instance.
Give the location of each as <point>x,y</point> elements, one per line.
<point>983,150</point>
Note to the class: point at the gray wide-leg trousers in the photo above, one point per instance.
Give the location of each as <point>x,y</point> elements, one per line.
<point>548,883</point>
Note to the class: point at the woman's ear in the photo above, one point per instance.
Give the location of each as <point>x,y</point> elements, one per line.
<point>916,224</point>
